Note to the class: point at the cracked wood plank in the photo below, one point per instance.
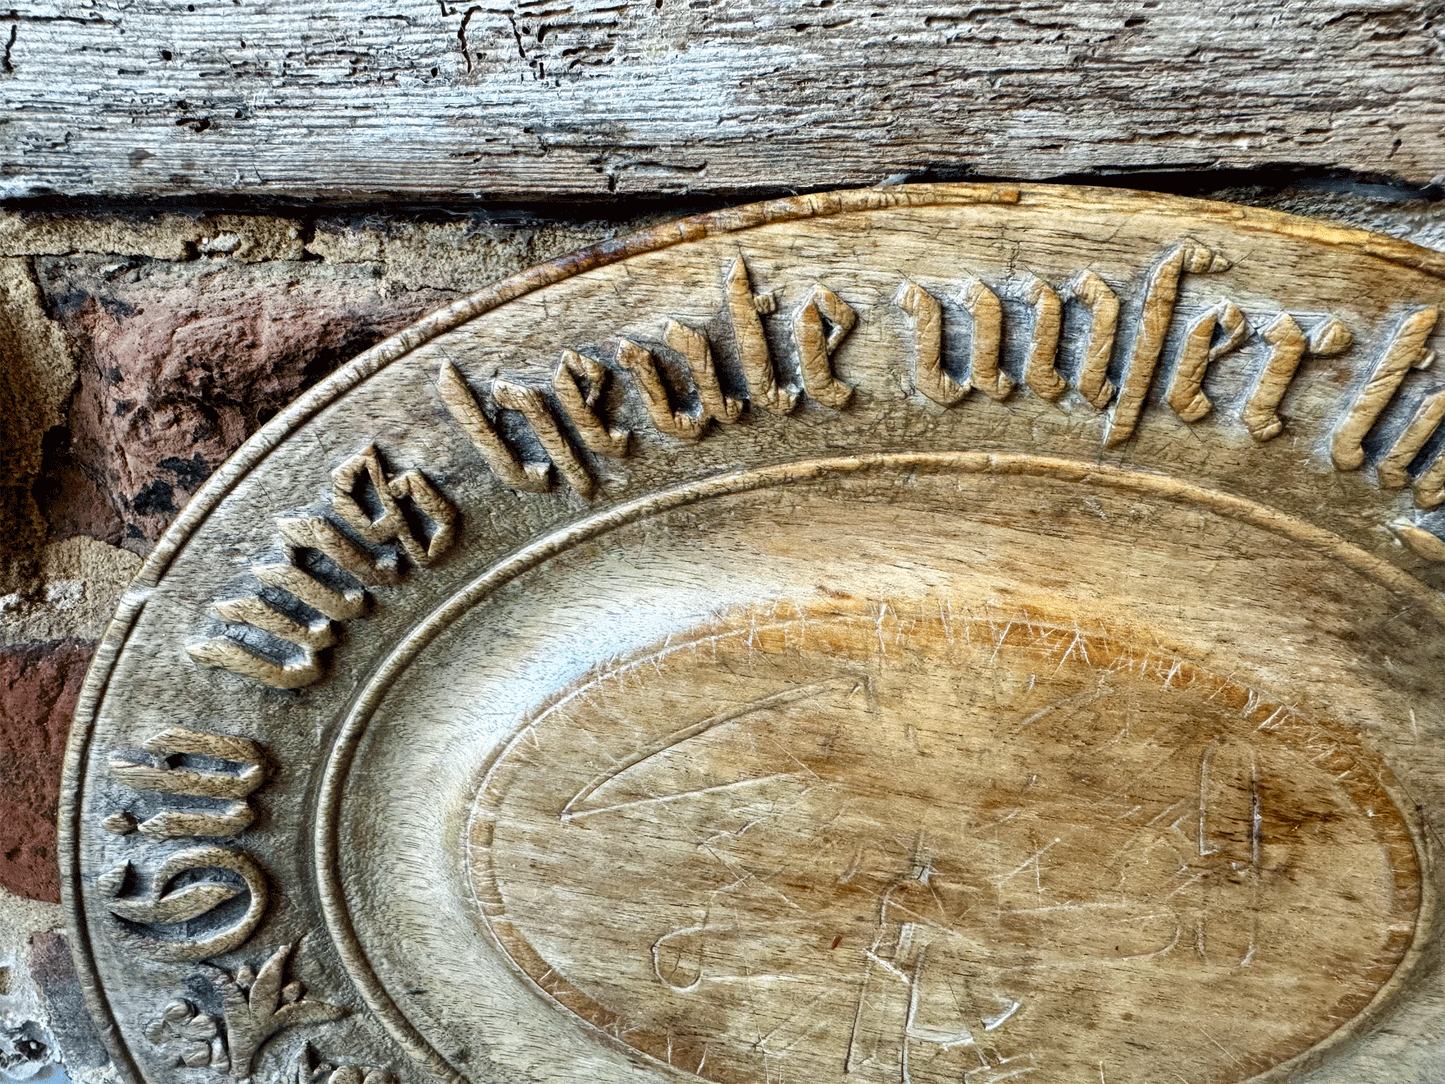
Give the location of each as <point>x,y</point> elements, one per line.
<point>541,99</point>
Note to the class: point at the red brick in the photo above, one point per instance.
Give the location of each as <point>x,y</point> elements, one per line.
<point>39,686</point>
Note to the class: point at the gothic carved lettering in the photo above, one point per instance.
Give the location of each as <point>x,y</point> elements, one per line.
<point>1161,294</point>
<point>640,362</point>
<point>985,341</point>
<point>819,327</point>
<point>227,875</point>
<point>745,310</point>
<point>929,376</point>
<point>391,523</point>
<point>694,348</point>
<point>579,382</point>
<point>276,636</point>
<point>1392,472</point>
<point>468,414</point>
<point>532,405</point>
<point>1406,350</point>
<point>1286,348</point>
<point>1102,304</point>
<point>227,786</point>
<point>1204,344</point>
<point>1043,348</point>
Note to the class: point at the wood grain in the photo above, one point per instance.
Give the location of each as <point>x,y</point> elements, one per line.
<point>901,636</point>
<point>586,98</point>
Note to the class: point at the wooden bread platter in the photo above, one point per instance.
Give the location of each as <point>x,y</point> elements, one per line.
<point>920,635</point>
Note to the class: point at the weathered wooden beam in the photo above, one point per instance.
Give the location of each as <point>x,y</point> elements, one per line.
<point>533,99</point>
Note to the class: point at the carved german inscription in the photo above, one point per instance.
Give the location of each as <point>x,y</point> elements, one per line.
<point>327,571</point>
<point>925,635</point>
<point>819,327</point>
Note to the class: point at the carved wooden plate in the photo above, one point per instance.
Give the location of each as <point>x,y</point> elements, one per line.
<point>939,635</point>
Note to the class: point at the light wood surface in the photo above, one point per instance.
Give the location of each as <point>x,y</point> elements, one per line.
<point>589,98</point>
<point>903,636</point>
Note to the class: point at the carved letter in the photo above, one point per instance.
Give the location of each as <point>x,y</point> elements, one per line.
<point>929,376</point>
<point>533,406</point>
<point>581,407</point>
<point>159,907</point>
<point>694,347</point>
<point>1286,347</point>
<point>393,525</point>
<point>467,413</point>
<point>1155,315</point>
<point>1392,471</point>
<point>1039,372</point>
<point>228,786</point>
<point>325,537</point>
<point>1405,351</point>
<point>1186,394</point>
<point>1426,543</point>
<point>753,355</point>
<point>1429,489</point>
<point>298,669</point>
<point>819,328</point>
<point>983,351</point>
<point>294,672</point>
<point>643,367</point>
<point>1103,304</point>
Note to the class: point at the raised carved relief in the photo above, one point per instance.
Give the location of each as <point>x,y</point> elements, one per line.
<point>1405,351</point>
<point>1043,348</point>
<point>192,1036</point>
<point>929,376</point>
<point>232,786</point>
<point>1102,305</point>
<point>1161,295</point>
<point>311,1070</point>
<point>821,324</point>
<point>1211,335</point>
<point>745,311</point>
<point>480,430</point>
<point>574,374</point>
<point>157,918</point>
<point>325,576</point>
<point>258,1004</point>
<point>255,1006</point>
<point>985,340</point>
<point>204,899</point>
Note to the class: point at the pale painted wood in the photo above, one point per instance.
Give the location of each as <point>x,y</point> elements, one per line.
<point>583,98</point>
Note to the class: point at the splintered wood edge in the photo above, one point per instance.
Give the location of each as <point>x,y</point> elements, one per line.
<point>717,223</point>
